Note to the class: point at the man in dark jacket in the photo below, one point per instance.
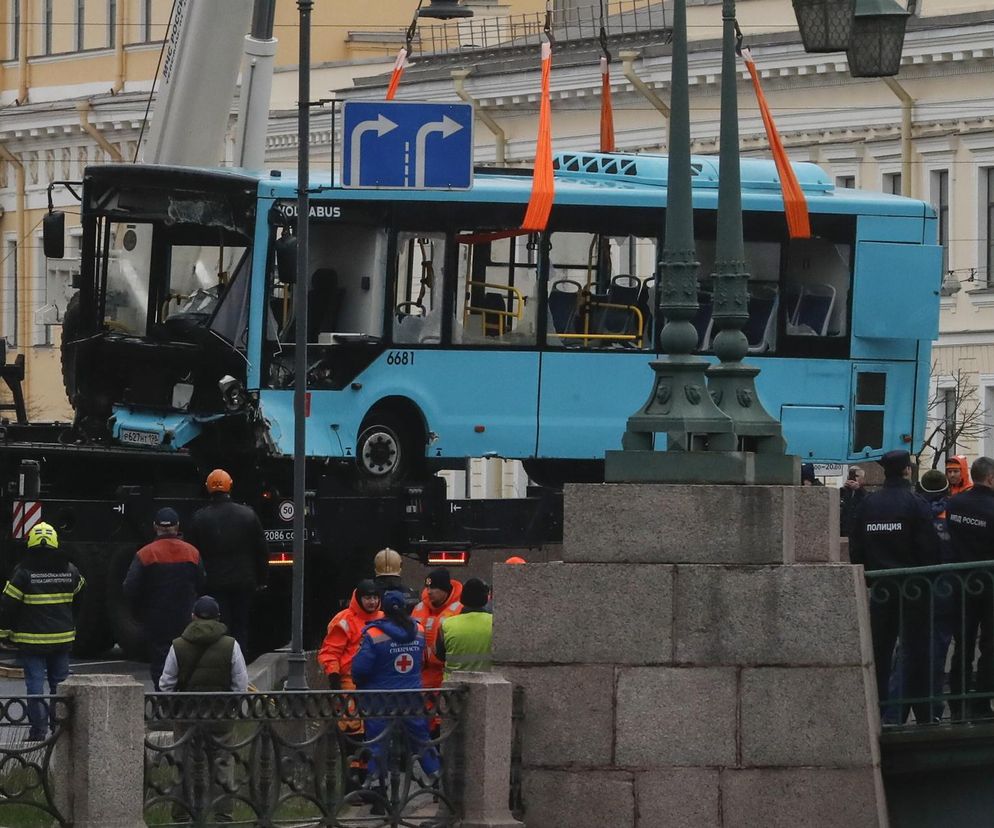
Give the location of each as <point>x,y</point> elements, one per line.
<point>36,615</point>
<point>162,583</point>
<point>970,516</point>
<point>205,659</point>
<point>893,529</point>
<point>233,547</point>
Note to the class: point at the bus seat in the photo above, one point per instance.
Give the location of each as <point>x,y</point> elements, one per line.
<point>702,320</point>
<point>793,299</point>
<point>814,310</point>
<point>647,304</point>
<point>324,301</point>
<point>564,298</point>
<point>760,325</point>
<point>624,290</point>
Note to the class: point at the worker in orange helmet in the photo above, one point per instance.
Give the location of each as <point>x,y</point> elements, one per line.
<point>439,600</point>
<point>232,545</point>
<point>515,559</point>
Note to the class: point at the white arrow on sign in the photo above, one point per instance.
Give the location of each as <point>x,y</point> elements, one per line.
<point>447,127</point>
<point>382,125</point>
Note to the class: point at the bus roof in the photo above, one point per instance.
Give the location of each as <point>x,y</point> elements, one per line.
<point>596,179</point>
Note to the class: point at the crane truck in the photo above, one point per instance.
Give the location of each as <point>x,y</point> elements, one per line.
<point>155,366</point>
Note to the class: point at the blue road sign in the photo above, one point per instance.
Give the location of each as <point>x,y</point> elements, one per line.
<point>417,146</point>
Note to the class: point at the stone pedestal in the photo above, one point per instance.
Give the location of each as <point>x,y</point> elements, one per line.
<point>686,665</point>
<point>105,750</point>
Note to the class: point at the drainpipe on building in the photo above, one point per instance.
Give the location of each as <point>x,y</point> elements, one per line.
<point>120,56</point>
<point>628,58</point>
<point>459,79</point>
<point>23,80</point>
<point>84,109</point>
<point>22,264</point>
<point>907,102</point>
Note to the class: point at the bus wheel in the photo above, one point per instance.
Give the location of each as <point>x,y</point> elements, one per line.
<point>94,636</point>
<point>384,452</point>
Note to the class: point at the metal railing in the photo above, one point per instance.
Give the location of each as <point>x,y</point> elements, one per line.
<point>622,17</point>
<point>27,783</point>
<point>933,642</point>
<point>370,758</point>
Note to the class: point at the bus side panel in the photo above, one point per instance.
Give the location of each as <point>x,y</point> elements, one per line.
<point>811,399</point>
<point>475,402</point>
<point>587,398</point>
<point>907,229</point>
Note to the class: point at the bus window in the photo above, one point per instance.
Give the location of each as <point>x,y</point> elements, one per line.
<point>345,293</point>
<point>816,288</point>
<point>497,293</point>
<point>417,316</point>
<point>597,299</point>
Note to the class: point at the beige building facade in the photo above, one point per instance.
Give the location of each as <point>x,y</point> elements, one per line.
<point>928,133</point>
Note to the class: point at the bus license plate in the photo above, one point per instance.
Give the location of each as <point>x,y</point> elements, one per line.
<point>138,438</point>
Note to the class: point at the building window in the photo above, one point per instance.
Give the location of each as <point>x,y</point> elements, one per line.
<point>111,23</point>
<point>940,200</point>
<point>949,420</point>
<point>989,253</point>
<point>146,20</point>
<point>847,181</point>
<point>892,183</point>
<point>15,29</point>
<point>47,26</point>
<point>80,25</point>
<point>10,291</point>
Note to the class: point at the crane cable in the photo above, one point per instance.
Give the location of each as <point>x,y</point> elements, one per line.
<point>795,205</point>
<point>607,113</point>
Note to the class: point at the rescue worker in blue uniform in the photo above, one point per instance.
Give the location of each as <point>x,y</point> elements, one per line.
<point>390,657</point>
<point>36,614</point>
<point>970,517</point>
<point>893,529</point>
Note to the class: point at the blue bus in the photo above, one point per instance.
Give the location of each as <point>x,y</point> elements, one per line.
<point>435,335</point>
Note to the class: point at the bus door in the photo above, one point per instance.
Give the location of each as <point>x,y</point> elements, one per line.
<point>595,366</point>
<point>895,312</point>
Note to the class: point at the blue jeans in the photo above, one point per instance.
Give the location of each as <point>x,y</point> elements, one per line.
<point>38,667</point>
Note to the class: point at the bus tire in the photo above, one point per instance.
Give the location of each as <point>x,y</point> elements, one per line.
<point>128,630</point>
<point>385,451</point>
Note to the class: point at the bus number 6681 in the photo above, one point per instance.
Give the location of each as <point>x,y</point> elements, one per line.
<point>400,358</point>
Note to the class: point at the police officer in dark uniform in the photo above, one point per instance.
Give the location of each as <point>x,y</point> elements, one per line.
<point>970,517</point>
<point>893,529</point>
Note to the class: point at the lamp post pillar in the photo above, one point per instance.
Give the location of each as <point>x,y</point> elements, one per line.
<point>296,679</point>
<point>732,383</point>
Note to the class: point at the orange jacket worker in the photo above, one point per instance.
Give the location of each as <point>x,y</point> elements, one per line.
<point>439,600</point>
<point>345,633</point>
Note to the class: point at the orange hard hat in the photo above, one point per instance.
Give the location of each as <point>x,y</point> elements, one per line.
<point>219,481</point>
<point>515,559</point>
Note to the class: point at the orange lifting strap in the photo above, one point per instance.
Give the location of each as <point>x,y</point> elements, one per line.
<point>398,70</point>
<point>794,204</point>
<point>543,185</point>
<point>607,115</point>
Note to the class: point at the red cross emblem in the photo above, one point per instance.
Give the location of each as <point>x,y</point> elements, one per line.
<point>403,663</point>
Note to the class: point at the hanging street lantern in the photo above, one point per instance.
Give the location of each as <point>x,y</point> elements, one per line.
<point>444,10</point>
<point>877,38</point>
<point>825,25</point>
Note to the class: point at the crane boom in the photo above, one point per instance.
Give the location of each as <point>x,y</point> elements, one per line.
<point>199,75</point>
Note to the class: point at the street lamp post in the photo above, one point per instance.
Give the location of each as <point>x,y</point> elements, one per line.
<point>296,673</point>
<point>679,404</point>
<point>732,383</point>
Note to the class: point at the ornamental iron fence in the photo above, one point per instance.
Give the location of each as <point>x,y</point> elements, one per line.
<point>28,786</point>
<point>933,642</point>
<point>369,758</point>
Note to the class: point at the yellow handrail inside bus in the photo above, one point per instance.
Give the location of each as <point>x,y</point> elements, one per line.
<point>637,336</point>
<point>500,314</point>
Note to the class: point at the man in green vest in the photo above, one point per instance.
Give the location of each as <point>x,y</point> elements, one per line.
<point>205,659</point>
<point>464,641</point>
